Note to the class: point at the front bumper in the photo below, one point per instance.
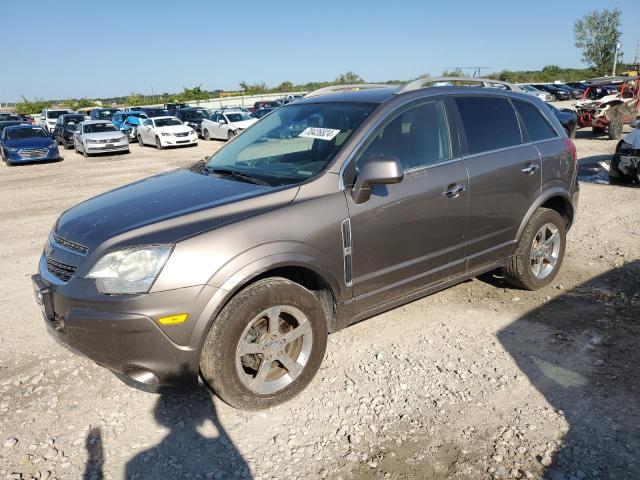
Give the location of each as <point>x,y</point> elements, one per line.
<point>628,164</point>
<point>22,157</point>
<point>121,332</point>
<point>107,147</point>
<point>173,141</point>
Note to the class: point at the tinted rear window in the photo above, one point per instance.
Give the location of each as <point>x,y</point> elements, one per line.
<point>489,122</point>
<point>537,126</point>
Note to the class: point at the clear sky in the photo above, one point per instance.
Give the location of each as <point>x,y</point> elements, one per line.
<point>82,48</point>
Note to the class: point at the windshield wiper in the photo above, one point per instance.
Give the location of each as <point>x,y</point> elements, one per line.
<point>237,175</point>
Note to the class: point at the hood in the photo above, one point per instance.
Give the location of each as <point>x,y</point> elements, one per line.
<point>166,208</point>
<point>245,123</point>
<point>103,135</point>
<point>174,129</point>
<point>33,142</point>
<point>633,139</point>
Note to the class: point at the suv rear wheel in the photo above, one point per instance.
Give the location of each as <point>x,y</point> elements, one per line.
<point>540,251</point>
<point>266,344</point>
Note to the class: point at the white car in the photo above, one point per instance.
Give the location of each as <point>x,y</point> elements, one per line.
<point>99,136</point>
<point>530,90</point>
<point>226,124</point>
<point>49,117</point>
<point>165,132</point>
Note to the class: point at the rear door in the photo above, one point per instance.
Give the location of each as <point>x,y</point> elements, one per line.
<point>410,234</point>
<point>504,175</point>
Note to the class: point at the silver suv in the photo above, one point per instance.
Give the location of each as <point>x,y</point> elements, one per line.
<point>331,209</point>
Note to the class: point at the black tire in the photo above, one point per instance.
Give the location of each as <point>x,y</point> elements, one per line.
<point>158,144</point>
<point>230,135</point>
<point>597,131</point>
<point>206,135</point>
<point>218,356</point>
<point>518,271</point>
<point>616,125</point>
<point>140,142</point>
<point>67,146</point>
<point>84,152</point>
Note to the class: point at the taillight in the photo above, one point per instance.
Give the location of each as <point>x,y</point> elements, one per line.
<point>572,149</point>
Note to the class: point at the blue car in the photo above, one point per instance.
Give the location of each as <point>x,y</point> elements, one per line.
<point>127,122</point>
<point>27,143</point>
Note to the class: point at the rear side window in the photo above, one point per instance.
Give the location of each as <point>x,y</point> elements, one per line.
<point>537,127</point>
<point>489,123</point>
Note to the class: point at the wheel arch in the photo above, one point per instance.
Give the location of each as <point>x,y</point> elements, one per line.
<point>557,199</point>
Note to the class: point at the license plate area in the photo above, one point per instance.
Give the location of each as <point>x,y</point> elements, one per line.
<point>627,160</point>
<point>44,297</point>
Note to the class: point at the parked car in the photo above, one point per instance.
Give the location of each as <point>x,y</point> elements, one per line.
<point>261,112</point>
<point>26,144</point>
<point>625,164</point>
<point>266,104</point>
<point>579,85</point>
<point>172,108</point>
<point>605,109</point>
<point>191,117</point>
<point>568,118</point>
<point>237,267</point>
<point>558,93</point>
<point>103,113</point>
<point>128,122</point>
<point>26,118</point>
<point>166,132</point>
<point>154,112</point>
<point>575,92</point>
<point>66,126</point>
<point>6,116</point>
<point>542,95</point>
<point>99,136</point>
<point>49,117</point>
<point>226,124</point>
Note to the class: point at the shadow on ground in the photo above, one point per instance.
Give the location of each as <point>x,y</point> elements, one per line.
<point>196,445</point>
<point>582,352</point>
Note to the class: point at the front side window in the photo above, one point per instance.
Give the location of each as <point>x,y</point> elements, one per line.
<point>489,123</point>
<point>537,127</point>
<point>417,136</point>
<point>293,144</point>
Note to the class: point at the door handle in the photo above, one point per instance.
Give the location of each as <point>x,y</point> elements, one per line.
<point>454,191</point>
<point>530,168</point>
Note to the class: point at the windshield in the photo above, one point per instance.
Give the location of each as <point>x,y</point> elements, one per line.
<point>167,122</point>
<point>24,133</point>
<point>99,128</point>
<point>56,113</point>
<point>238,117</point>
<point>74,120</point>
<point>106,114</point>
<point>293,144</point>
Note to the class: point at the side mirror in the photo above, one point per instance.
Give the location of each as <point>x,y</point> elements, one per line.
<point>377,170</point>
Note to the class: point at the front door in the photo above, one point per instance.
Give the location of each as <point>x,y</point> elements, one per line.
<point>410,234</point>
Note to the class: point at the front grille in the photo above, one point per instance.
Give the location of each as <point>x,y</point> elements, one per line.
<point>76,247</point>
<point>33,152</point>
<point>109,140</point>
<point>60,270</point>
<point>181,134</point>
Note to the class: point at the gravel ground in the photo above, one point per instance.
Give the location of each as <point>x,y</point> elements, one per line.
<point>477,381</point>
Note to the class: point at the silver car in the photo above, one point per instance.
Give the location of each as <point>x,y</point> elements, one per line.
<point>531,90</point>
<point>99,136</point>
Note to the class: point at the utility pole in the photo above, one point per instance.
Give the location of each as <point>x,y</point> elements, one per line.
<point>615,58</point>
<point>635,60</point>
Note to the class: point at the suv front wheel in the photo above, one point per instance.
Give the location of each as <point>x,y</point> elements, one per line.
<point>540,251</point>
<point>266,344</point>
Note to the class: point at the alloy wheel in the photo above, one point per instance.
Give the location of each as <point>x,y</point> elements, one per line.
<point>545,251</point>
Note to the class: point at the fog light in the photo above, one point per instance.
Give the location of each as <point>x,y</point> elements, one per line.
<point>173,319</point>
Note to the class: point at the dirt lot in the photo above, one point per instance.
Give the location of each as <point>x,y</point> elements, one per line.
<point>478,381</point>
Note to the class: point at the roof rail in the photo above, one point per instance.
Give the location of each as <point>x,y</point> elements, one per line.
<point>345,88</point>
<point>483,82</point>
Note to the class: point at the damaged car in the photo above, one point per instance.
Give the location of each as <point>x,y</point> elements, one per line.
<point>625,164</point>
<point>608,104</point>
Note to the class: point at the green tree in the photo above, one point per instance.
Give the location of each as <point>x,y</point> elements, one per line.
<point>349,78</point>
<point>597,34</point>
<point>285,86</point>
<point>456,72</point>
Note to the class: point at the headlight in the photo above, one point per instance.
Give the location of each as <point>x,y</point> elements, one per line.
<point>191,132</point>
<point>53,145</point>
<point>11,150</point>
<point>92,141</point>
<point>165,134</point>
<point>132,270</point>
